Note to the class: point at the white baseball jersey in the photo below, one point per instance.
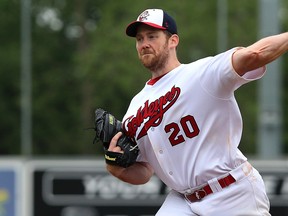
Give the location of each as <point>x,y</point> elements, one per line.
<point>187,123</point>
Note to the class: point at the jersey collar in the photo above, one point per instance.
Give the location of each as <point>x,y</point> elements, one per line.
<point>154,80</point>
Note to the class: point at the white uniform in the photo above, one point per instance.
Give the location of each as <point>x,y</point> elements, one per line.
<point>188,127</point>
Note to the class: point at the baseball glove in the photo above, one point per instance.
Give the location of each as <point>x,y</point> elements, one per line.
<point>106,126</point>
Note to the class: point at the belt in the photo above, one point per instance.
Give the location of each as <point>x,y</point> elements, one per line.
<point>206,190</point>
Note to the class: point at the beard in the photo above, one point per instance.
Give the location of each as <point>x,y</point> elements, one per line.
<point>153,61</point>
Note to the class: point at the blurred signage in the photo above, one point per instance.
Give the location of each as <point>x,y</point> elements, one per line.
<point>71,190</point>
<point>7,193</point>
<point>91,191</point>
<point>276,186</point>
<point>10,193</point>
<point>276,183</point>
<point>97,187</point>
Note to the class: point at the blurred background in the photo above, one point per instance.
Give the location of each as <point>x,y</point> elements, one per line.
<point>60,60</point>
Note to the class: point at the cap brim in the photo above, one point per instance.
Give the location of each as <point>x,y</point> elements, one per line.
<point>131,29</point>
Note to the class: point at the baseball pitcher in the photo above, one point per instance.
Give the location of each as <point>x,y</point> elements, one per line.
<point>185,125</point>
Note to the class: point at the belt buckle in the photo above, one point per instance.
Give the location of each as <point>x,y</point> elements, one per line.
<point>196,195</point>
<point>200,194</point>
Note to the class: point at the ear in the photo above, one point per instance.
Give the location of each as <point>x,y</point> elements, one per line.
<point>174,40</point>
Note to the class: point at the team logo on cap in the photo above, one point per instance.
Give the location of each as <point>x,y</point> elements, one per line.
<point>143,16</point>
<point>166,25</point>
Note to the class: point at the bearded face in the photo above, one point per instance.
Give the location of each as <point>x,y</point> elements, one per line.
<point>153,47</point>
<point>154,59</point>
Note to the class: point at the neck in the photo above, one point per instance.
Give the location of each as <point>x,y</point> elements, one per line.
<point>164,70</point>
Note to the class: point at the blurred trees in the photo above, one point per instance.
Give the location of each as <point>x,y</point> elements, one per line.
<point>82,59</point>
<point>10,77</point>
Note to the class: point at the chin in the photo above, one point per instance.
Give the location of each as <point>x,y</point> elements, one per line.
<point>146,62</point>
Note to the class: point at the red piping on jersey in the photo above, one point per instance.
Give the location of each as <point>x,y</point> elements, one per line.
<point>154,80</point>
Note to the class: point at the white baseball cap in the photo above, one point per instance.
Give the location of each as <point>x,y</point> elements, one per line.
<point>156,18</point>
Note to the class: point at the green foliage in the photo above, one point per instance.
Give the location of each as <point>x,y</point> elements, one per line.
<point>10,76</point>
<point>82,60</point>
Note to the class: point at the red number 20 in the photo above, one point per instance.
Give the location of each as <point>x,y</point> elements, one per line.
<point>189,126</point>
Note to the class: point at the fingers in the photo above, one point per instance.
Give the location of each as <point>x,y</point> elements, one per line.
<point>112,146</point>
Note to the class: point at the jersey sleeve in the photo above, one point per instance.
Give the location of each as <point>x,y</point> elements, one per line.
<point>221,80</point>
